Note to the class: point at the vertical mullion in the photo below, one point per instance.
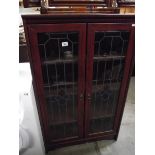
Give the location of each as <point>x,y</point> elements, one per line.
<point>96,85</point>
<point>73,86</point>
<point>56,78</point>
<point>99,48</point>
<point>111,45</point>
<point>49,87</point>
<point>65,98</point>
<point>73,99</point>
<point>106,110</point>
<point>94,120</point>
<point>59,47</point>
<point>116,85</point>
<point>109,87</point>
<point>57,92</point>
<point>110,78</point>
<point>47,71</point>
<point>105,66</point>
<point>122,48</point>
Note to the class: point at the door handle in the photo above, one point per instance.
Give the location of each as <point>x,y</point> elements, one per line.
<point>81,97</point>
<point>89,97</point>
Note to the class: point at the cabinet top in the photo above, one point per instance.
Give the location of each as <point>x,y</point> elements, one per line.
<point>77,18</point>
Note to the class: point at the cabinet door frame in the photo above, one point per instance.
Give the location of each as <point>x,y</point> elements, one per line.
<point>92,27</point>
<point>37,73</point>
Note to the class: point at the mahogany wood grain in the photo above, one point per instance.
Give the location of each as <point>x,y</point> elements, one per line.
<point>78,18</point>
<point>85,24</point>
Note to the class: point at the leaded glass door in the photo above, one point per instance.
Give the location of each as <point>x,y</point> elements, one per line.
<point>109,55</point>
<point>59,57</point>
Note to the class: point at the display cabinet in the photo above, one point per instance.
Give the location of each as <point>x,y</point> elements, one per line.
<point>81,66</point>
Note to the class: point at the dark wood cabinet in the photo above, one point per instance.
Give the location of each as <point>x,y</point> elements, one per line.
<point>81,73</point>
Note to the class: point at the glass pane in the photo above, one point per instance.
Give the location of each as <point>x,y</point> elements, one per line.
<point>58,53</point>
<point>58,46</point>
<point>111,43</point>
<point>108,67</point>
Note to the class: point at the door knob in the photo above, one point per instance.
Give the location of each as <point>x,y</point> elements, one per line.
<point>89,97</point>
<point>81,96</point>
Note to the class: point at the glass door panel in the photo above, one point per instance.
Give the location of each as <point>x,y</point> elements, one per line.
<point>111,43</point>
<point>59,53</point>
<point>107,76</point>
<point>110,48</point>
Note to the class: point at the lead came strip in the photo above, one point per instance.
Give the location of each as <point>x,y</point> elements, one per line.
<point>109,88</point>
<point>58,94</point>
<point>95,93</point>
<point>65,98</point>
<point>49,87</point>
<point>120,66</point>
<point>59,47</point>
<point>47,71</point>
<point>110,77</point>
<point>73,93</point>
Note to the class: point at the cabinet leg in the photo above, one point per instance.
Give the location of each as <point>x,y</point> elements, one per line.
<point>116,137</point>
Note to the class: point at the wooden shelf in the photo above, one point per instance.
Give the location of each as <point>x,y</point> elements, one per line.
<point>73,60</point>
<point>53,92</point>
<point>61,84</point>
<point>62,122</point>
<point>110,57</point>
<point>102,116</point>
<point>55,61</point>
<point>112,87</point>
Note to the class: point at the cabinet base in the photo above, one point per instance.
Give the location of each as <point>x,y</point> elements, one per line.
<point>80,141</point>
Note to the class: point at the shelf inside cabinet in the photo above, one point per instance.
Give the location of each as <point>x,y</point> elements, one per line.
<point>108,58</point>
<point>108,86</point>
<point>56,61</point>
<point>61,83</point>
<point>62,122</point>
<point>57,88</point>
<point>100,116</point>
